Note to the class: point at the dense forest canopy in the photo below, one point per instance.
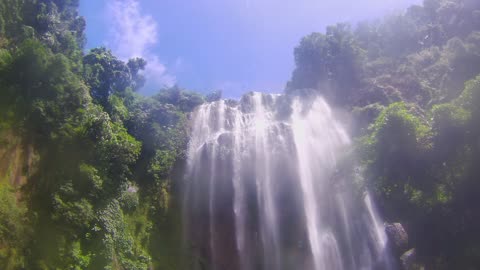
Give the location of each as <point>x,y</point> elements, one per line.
<point>86,163</point>
<point>412,82</point>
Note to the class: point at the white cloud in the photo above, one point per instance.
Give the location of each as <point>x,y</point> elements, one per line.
<point>134,34</point>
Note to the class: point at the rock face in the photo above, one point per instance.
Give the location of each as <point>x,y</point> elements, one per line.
<point>408,260</point>
<point>398,241</point>
<point>398,237</point>
<point>258,179</point>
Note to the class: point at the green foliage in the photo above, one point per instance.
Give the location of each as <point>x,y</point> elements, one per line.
<point>449,116</point>
<point>100,195</point>
<point>470,96</point>
<point>394,152</point>
<point>214,96</point>
<point>105,74</point>
<point>129,200</point>
<point>404,77</point>
<point>422,56</point>
<point>41,88</point>
<point>397,121</point>
<point>119,245</point>
<point>95,140</point>
<point>323,60</point>
<point>186,101</point>
<point>363,116</point>
<point>57,25</point>
<point>425,173</point>
<point>136,65</point>
<point>161,164</point>
<point>10,17</point>
<point>76,213</point>
<point>14,230</point>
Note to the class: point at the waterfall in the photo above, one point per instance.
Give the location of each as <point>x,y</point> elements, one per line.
<point>262,190</point>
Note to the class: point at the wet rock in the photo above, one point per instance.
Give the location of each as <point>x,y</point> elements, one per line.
<point>398,237</point>
<point>409,260</point>
<point>231,102</point>
<point>246,103</point>
<point>225,140</point>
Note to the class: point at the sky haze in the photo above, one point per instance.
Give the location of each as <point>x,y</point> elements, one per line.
<point>230,45</point>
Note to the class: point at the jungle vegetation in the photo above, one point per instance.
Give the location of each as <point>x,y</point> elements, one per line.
<point>86,162</point>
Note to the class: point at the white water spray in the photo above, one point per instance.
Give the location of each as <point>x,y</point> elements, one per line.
<point>261,190</point>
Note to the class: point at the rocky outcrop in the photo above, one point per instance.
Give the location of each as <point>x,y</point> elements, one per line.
<point>16,159</point>
<point>397,237</point>
<point>408,260</point>
<point>398,241</point>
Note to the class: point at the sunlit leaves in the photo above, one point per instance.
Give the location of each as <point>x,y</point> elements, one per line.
<point>423,168</point>
<point>323,60</point>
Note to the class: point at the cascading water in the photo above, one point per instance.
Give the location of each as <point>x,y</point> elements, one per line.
<point>262,190</point>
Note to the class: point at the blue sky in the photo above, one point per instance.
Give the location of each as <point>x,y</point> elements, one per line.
<point>232,45</point>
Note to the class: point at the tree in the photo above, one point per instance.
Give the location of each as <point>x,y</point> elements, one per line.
<point>105,74</point>
<point>323,60</point>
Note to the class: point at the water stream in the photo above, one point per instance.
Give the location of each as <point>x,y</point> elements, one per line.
<point>262,189</point>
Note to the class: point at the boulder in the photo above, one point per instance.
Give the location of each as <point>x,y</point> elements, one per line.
<point>409,260</point>
<point>397,237</point>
